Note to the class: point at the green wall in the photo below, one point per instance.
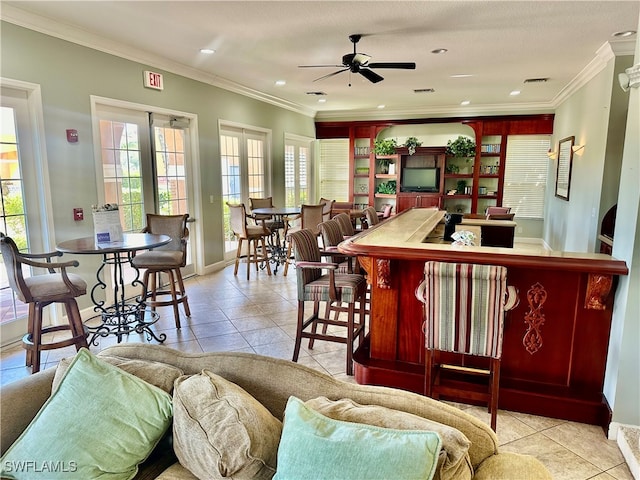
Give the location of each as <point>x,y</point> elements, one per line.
<point>69,74</point>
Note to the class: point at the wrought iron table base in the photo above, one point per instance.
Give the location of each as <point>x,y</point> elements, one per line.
<point>124,316</point>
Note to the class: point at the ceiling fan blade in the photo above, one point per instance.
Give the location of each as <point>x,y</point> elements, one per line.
<point>331,74</point>
<point>402,65</point>
<point>320,66</point>
<point>370,75</point>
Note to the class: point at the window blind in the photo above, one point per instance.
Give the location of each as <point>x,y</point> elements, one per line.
<point>334,169</point>
<point>525,177</point>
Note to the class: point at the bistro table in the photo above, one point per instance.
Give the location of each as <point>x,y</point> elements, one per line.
<point>124,316</point>
<point>277,243</point>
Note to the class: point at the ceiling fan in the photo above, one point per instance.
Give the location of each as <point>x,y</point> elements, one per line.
<point>359,63</point>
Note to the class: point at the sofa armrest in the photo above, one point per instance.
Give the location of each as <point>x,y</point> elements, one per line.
<point>19,403</point>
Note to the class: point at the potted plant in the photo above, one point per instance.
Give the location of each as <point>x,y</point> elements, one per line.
<point>461,186</point>
<point>384,164</point>
<point>461,147</point>
<point>387,187</point>
<point>412,143</point>
<point>385,147</point>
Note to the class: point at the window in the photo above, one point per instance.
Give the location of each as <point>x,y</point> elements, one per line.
<point>334,169</point>
<point>525,176</point>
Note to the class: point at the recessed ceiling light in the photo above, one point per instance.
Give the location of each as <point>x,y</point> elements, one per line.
<point>322,100</point>
<point>439,50</point>
<point>536,80</point>
<point>465,102</point>
<point>625,33</point>
<point>207,51</point>
<point>280,83</point>
<point>424,90</point>
<point>461,75</point>
<point>381,106</point>
<point>515,92</point>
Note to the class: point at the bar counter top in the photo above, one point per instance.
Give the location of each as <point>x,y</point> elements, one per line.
<point>417,234</point>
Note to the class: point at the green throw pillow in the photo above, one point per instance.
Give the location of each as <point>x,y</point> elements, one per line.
<point>101,422</point>
<point>313,446</point>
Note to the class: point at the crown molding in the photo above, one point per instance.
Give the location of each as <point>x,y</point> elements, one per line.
<point>87,39</point>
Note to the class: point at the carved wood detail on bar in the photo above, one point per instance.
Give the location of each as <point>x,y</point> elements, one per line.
<point>598,288</point>
<point>534,318</point>
<point>383,273</point>
<point>366,263</point>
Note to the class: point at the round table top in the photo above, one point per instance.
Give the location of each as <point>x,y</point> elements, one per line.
<point>276,211</point>
<point>130,242</point>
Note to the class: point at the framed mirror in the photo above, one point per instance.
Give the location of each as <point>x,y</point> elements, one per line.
<point>565,162</point>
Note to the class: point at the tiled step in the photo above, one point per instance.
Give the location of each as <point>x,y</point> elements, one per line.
<point>629,443</point>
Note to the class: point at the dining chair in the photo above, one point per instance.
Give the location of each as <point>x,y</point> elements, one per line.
<point>464,311</point>
<point>328,206</point>
<point>41,290</point>
<point>497,210</point>
<point>371,217</point>
<point>167,259</point>
<point>316,286</point>
<point>266,202</point>
<point>500,216</point>
<point>255,235</point>
<point>331,238</point>
<point>310,218</point>
<point>346,226</point>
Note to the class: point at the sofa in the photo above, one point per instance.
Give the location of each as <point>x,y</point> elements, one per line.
<point>270,383</point>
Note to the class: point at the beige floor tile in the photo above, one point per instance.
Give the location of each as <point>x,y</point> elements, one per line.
<point>588,441</point>
<point>620,472</point>
<point>561,462</point>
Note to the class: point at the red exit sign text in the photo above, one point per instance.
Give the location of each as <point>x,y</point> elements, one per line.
<point>153,80</point>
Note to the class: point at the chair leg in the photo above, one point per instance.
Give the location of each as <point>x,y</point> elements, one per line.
<point>495,390</point>
<point>265,255</point>
<point>238,255</point>
<point>30,329</point>
<point>151,290</point>
<point>350,339</point>
<point>75,323</point>
<point>296,347</point>
<point>428,372</point>
<point>183,292</point>
<point>286,260</point>
<point>174,297</point>
<point>314,324</point>
<point>36,338</point>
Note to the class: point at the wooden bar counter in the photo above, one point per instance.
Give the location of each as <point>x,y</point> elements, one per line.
<point>555,341</point>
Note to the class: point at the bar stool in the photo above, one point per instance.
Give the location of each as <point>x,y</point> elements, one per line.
<point>167,259</point>
<point>41,290</point>
<point>464,312</point>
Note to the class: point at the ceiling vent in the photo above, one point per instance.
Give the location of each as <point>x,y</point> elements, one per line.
<point>424,90</point>
<point>536,80</point>
<point>316,93</point>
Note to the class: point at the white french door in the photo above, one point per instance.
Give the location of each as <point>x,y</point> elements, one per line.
<point>245,167</point>
<point>24,201</point>
<point>144,167</point>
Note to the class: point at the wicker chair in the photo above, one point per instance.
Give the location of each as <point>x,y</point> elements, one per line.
<point>310,217</point>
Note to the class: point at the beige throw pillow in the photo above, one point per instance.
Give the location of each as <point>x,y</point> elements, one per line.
<point>159,374</point>
<point>453,461</point>
<point>220,431</point>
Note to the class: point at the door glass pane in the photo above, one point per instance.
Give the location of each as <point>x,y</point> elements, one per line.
<point>120,153</point>
<point>255,170</point>
<point>170,170</point>
<point>12,209</point>
<point>230,159</point>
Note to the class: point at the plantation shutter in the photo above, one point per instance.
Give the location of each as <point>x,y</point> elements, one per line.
<point>525,176</point>
<point>334,169</point>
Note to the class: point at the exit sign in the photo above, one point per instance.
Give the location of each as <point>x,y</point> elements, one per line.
<point>153,80</point>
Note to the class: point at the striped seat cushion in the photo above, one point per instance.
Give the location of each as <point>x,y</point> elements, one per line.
<point>349,288</point>
<point>464,307</point>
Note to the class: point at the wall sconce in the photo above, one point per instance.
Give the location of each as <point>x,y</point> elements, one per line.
<point>630,78</point>
<point>577,148</point>
<point>552,154</point>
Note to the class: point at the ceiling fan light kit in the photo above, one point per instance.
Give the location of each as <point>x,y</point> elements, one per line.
<point>359,63</point>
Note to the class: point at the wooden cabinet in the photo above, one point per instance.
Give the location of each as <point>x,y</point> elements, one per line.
<point>408,200</point>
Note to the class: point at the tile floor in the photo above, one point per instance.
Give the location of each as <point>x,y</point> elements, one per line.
<point>259,315</point>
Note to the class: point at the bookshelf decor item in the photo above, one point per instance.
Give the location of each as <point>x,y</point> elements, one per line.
<point>461,147</point>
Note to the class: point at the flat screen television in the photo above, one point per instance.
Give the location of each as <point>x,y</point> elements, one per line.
<point>420,179</point>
